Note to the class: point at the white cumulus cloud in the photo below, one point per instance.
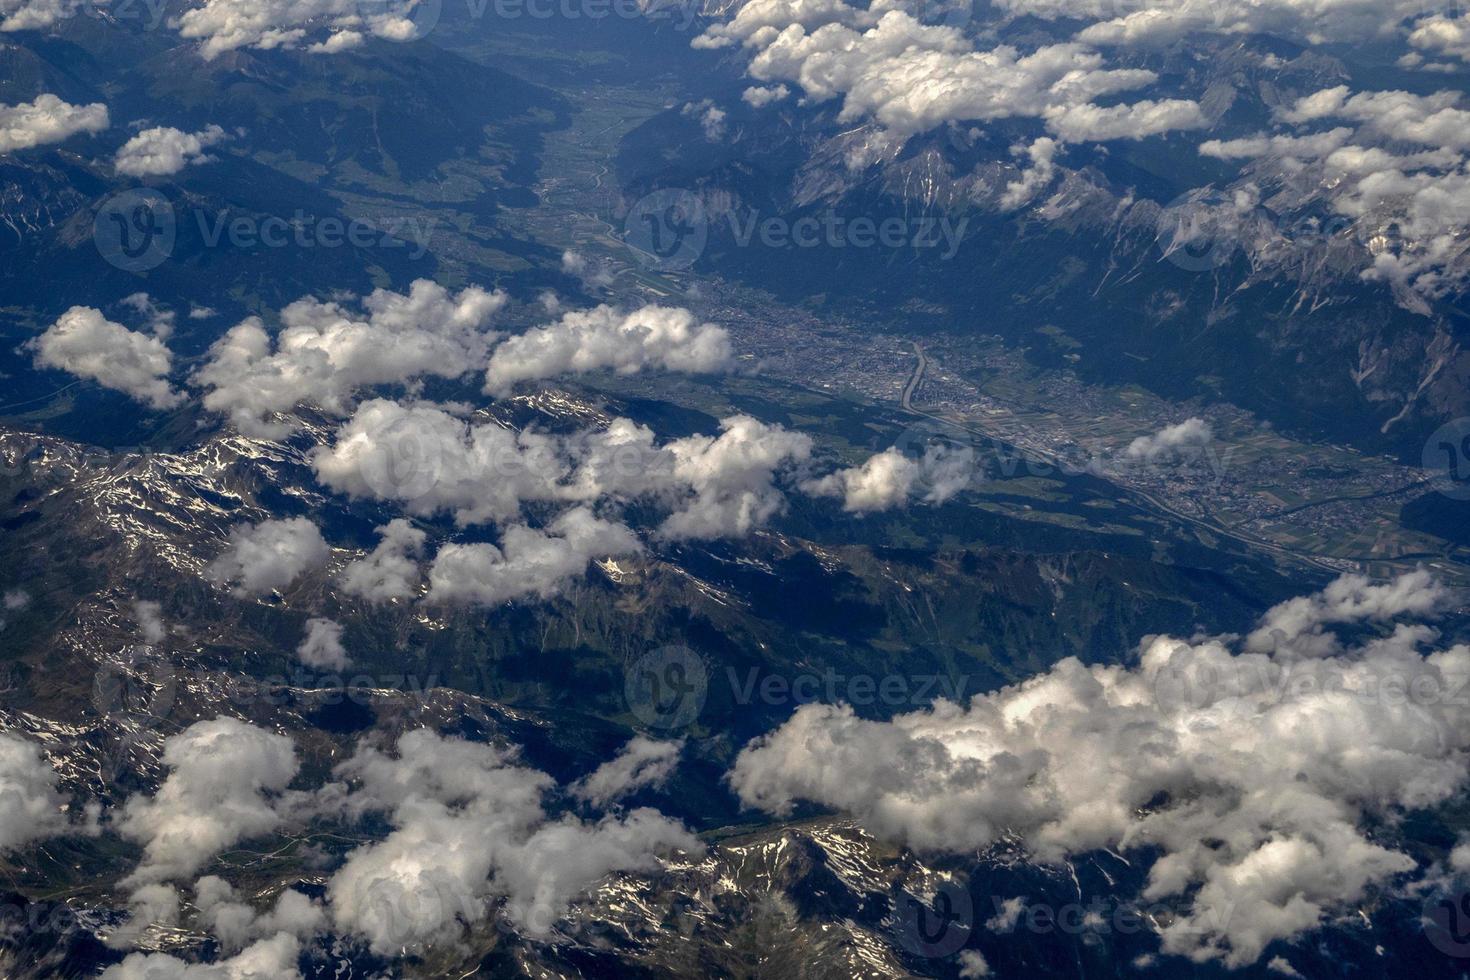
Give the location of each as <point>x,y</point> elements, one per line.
<point>909,77</point>
<point>31,808</point>
<point>164,150</point>
<point>322,647</point>
<point>236,924</point>
<point>221,788</point>
<point>731,478</point>
<point>269,556</point>
<point>325,352</point>
<point>430,461</point>
<point>226,25</point>
<point>47,120</point>
<point>529,561</point>
<point>269,959</point>
<point>606,338</point>
<point>469,828</point>
<point>391,570</point>
<point>643,762</point>
<point>1191,435</point>
<point>85,343</point>
<point>890,479</point>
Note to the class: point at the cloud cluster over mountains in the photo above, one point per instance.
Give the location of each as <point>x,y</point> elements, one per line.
<point>1398,172</point>
<point>470,826</point>
<point>711,486</point>
<point>1251,769</point>
<point>339,25</point>
<point>553,499</point>
<point>433,460</point>
<point>717,485</point>
<point>909,77</point>
<point>333,26</point>
<point>472,834</point>
<point>1247,773</point>
<point>1158,23</point>
<point>326,351</point>
<point>551,495</point>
